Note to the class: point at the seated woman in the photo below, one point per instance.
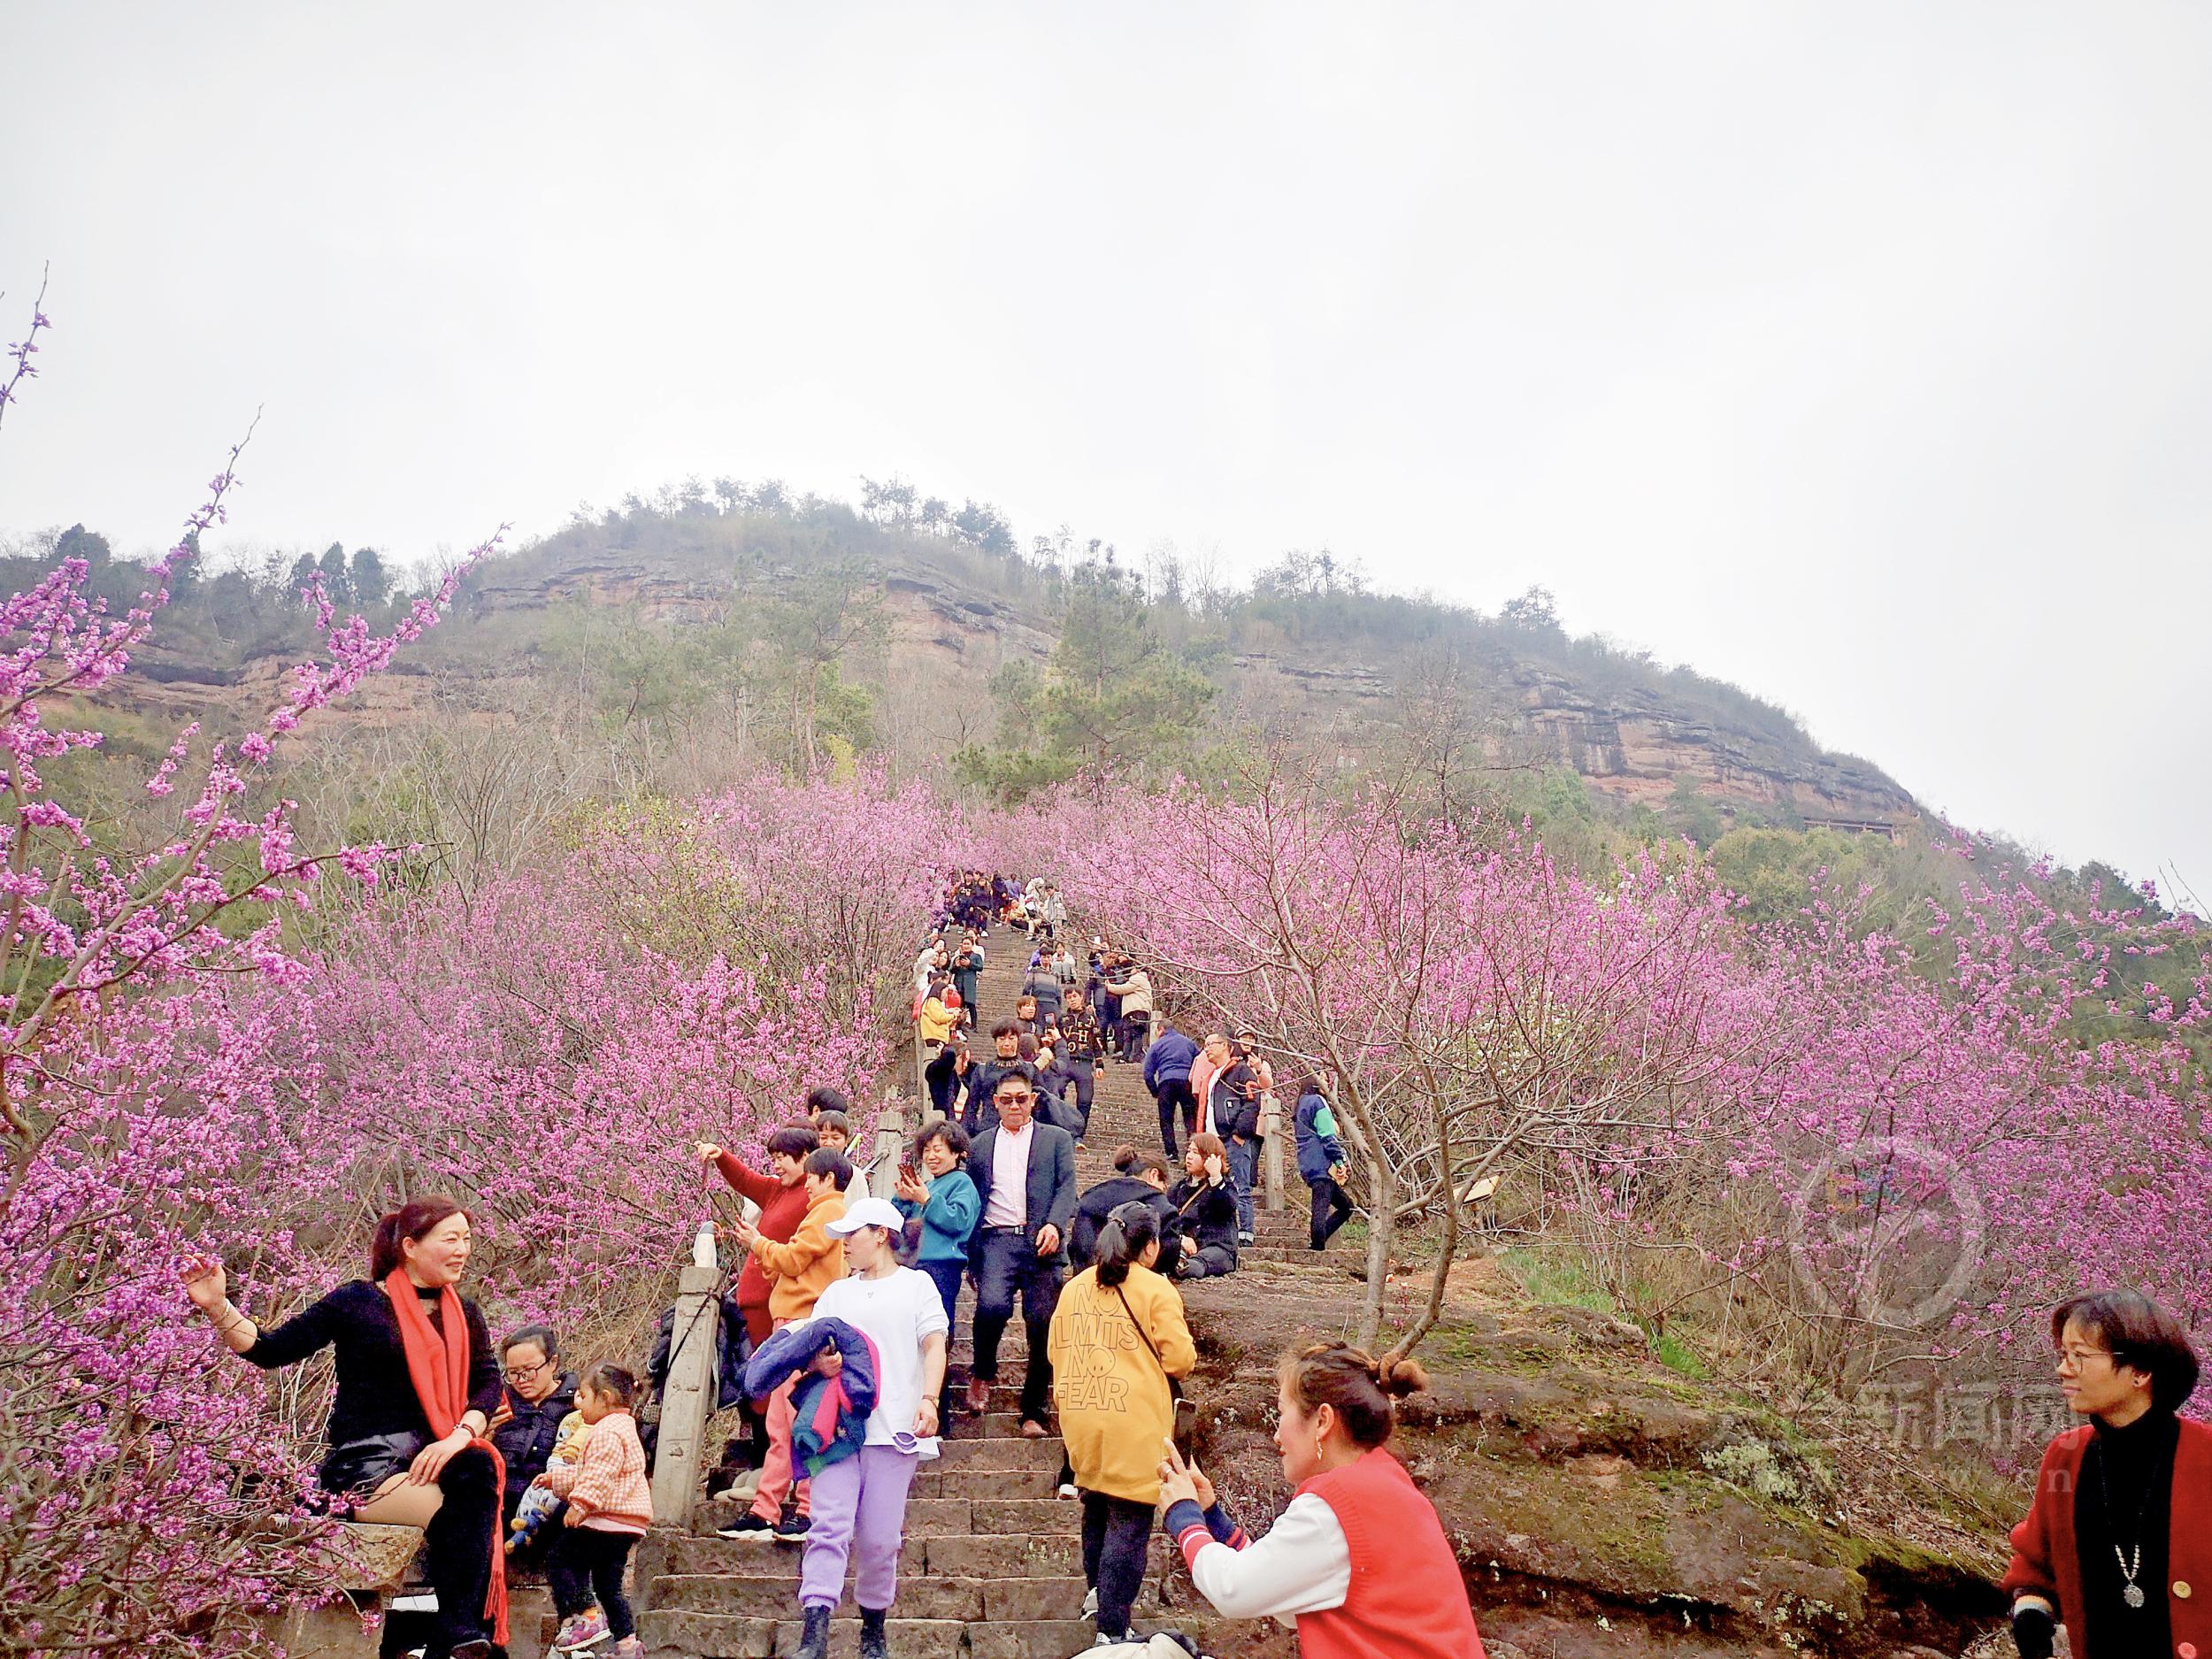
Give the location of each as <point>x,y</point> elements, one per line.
<point>539,1398</point>
<point>1359,1560</point>
<point>1205,1210</point>
<point>418,1383</point>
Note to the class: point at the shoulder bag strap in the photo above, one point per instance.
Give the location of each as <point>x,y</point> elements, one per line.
<point>1142,1335</point>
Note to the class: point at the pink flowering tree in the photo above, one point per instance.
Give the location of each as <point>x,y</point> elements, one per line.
<point>547,1048</point>
<point>844,875</point>
<point>1470,1009</point>
<point>143,1510</point>
<point>1950,1138</point>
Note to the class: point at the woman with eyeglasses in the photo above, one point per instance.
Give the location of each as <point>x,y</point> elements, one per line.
<point>538,1396</point>
<point>2117,1545</point>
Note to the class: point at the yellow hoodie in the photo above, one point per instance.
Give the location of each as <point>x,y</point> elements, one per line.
<point>813,1262</point>
<point>1115,1412</point>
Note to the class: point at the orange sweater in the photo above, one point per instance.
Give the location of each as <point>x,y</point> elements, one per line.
<point>607,1484</point>
<point>802,1270</point>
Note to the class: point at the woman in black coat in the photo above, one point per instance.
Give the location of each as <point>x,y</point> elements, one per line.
<point>1140,1176</point>
<point>1206,1210</point>
<point>418,1383</point>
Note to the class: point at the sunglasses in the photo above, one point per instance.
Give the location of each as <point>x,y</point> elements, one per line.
<point>1016,1099</point>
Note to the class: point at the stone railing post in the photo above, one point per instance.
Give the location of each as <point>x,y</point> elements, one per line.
<point>1271,1149</point>
<point>688,1401</point>
<point>883,1164</point>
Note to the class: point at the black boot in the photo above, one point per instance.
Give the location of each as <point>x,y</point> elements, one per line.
<point>873,1643</point>
<point>814,1644</point>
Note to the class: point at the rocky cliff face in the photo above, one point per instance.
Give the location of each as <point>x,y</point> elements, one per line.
<point>945,638</point>
<point>1632,743</point>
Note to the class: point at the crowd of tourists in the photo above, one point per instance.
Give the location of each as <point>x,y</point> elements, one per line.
<point>843,1314</point>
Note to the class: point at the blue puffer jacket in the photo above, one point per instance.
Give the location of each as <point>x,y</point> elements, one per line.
<point>1318,1149</point>
<point>829,1414</point>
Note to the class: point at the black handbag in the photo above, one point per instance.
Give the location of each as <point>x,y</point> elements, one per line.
<point>359,1467</point>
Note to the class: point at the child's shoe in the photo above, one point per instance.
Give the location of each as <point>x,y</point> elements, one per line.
<point>586,1630</point>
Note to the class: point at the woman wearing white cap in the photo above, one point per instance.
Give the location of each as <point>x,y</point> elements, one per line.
<point>860,1502</point>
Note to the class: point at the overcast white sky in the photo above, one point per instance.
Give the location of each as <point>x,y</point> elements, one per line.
<point>1857,352</point>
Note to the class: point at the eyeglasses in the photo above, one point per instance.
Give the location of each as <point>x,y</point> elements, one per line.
<point>2079,1357</point>
<point>523,1373</point>
<point>1016,1099</point>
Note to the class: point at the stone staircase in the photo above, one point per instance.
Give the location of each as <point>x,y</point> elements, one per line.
<point>992,1567</point>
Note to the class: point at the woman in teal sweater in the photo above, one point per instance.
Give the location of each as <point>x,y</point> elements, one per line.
<point>948,1207</point>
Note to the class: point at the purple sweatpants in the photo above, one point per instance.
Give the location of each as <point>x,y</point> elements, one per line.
<point>860,1512</point>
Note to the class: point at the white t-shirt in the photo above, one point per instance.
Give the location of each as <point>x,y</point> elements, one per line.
<point>895,1312</point>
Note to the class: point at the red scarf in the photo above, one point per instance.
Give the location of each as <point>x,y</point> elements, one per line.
<point>439,1368</point>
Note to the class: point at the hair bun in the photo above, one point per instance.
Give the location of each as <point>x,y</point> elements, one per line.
<point>1401,1378</point>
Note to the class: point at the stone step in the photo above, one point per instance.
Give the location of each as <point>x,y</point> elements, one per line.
<point>690,1635</point>
<point>985,1483</point>
<point>668,1632</point>
<point>769,1595</point>
<point>1006,1397</point>
<point>1025,1517</point>
<point>1014,1453</point>
<point>1012,1555</point>
<point>948,1554</point>
<point>1036,1510</point>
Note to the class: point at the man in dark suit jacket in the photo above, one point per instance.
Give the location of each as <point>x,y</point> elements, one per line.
<point>1024,1173</point>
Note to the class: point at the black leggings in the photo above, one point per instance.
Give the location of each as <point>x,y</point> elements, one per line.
<point>1116,1535</point>
<point>586,1563</point>
<point>1172,1094</point>
<point>1331,1211</point>
<point>458,1544</point>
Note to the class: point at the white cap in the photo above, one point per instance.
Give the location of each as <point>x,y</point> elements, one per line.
<point>868,1212</point>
